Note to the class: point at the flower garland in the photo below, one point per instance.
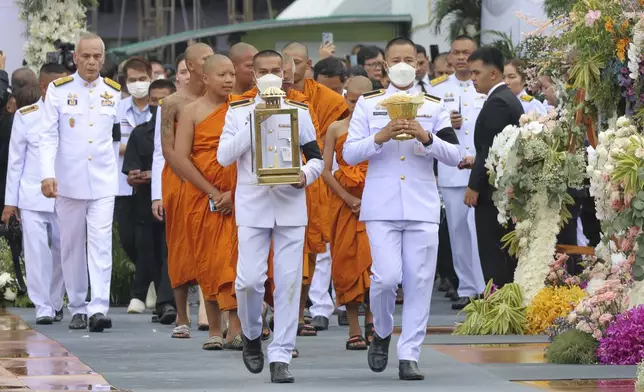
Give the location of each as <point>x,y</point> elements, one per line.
<point>54,19</point>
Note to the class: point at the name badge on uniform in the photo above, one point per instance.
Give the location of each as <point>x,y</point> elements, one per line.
<point>284,135</point>
<point>107,102</point>
<point>419,149</point>
<point>284,125</point>
<point>72,99</point>
<point>380,113</point>
<point>449,97</point>
<point>286,154</point>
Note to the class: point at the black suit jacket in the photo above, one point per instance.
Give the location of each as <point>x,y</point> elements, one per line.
<point>501,109</point>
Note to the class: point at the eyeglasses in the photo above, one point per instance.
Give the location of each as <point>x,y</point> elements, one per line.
<point>376,64</point>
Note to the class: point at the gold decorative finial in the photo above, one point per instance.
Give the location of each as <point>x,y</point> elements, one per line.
<point>273,97</point>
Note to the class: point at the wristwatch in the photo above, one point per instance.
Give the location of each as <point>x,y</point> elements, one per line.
<point>431,140</point>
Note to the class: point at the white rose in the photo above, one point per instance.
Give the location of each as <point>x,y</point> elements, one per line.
<point>593,285</point>
<point>4,278</point>
<point>10,295</point>
<point>623,122</point>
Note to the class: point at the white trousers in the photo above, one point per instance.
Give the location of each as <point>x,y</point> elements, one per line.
<point>319,292</point>
<point>462,237</point>
<point>91,221</point>
<point>288,247</point>
<point>45,284</point>
<point>402,251</point>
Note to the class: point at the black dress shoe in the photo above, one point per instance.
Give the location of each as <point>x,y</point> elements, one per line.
<point>452,294</point>
<point>44,320</point>
<point>343,318</point>
<point>98,322</point>
<point>378,354</point>
<point>444,285</point>
<point>108,323</point>
<point>320,323</point>
<point>408,370</point>
<point>252,354</point>
<point>461,303</point>
<point>59,316</point>
<point>168,314</point>
<point>280,373</point>
<point>79,321</point>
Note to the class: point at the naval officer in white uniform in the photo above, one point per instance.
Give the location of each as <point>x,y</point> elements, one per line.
<point>401,205</point>
<point>78,153</point>
<point>269,212</point>
<point>39,222</point>
<point>462,101</point>
<point>515,76</point>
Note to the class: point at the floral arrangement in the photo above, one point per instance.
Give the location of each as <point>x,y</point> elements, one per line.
<point>47,21</point>
<point>550,304</point>
<point>525,165</point>
<point>558,326</point>
<point>594,313</point>
<point>8,290</point>
<point>623,343</point>
<point>572,347</point>
<point>558,275</point>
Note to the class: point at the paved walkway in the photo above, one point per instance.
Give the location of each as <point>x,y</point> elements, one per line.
<point>140,356</point>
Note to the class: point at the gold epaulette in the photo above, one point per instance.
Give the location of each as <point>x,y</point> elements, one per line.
<point>112,84</point>
<point>243,102</point>
<point>64,80</point>
<point>300,105</point>
<point>28,109</point>
<point>527,98</point>
<point>432,98</point>
<point>374,93</point>
<point>438,80</point>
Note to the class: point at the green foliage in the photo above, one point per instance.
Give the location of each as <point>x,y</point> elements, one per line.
<point>498,313</point>
<point>557,8</point>
<point>573,347</point>
<point>122,272</point>
<point>464,17</point>
<point>33,6</point>
<point>503,43</point>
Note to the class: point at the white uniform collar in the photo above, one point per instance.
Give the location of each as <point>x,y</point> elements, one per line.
<point>414,90</point>
<point>84,83</point>
<point>452,78</point>
<point>495,87</point>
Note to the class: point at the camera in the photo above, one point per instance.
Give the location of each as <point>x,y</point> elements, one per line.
<point>64,55</point>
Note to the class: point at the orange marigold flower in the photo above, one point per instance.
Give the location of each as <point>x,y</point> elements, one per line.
<point>622,44</point>
<point>608,26</point>
<point>625,23</point>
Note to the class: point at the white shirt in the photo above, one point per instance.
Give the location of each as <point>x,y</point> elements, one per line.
<point>426,83</point>
<point>76,143</point>
<point>400,182</point>
<point>158,161</point>
<point>23,169</point>
<point>128,121</point>
<point>530,104</point>
<point>262,205</point>
<point>495,87</point>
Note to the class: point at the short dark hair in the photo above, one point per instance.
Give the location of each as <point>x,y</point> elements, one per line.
<point>53,69</point>
<point>367,53</point>
<point>440,57</point>
<point>489,55</point>
<point>400,41</point>
<point>421,49</point>
<point>267,53</point>
<point>464,37</point>
<point>330,67</point>
<point>163,84</point>
<point>520,66</point>
<point>376,84</point>
<point>155,61</point>
<point>138,64</point>
<point>357,70</point>
<point>179,59</point>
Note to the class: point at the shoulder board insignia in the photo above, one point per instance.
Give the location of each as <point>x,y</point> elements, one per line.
<point>374,93</point>
<point>161,102</point>
<point>527,98</point>
<point>112,84</point>
<point>28,109</point>
<point>432,98</point>
<point>297,104</point>
<point>243,102</point>
<point>64,80</point>
<point>438,80</point>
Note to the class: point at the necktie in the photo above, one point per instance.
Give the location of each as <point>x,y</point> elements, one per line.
<point>422,85</point>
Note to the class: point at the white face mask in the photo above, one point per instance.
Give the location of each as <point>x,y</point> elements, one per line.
<point>162,76</point>
<point>402,74</point>
<point>138,89</point>
<point>268,80</point>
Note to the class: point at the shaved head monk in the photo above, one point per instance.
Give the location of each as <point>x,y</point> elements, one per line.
<point>242,56</point>
<point>328,107</point>
<point>182,266</point>
<point>350,249</point>
<point>208,199</point>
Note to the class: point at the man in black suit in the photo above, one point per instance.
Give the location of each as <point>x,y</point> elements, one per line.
<point>501,109</point>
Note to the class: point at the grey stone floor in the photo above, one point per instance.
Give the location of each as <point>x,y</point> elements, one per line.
<point>140,356</point>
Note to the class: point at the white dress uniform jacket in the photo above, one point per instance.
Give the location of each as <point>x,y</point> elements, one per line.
<point>77,139</point>
<point>265,206</point>
<point>458,96</point>
<point>530,103</point>
<point>127,124</point>
<point>400,182</point>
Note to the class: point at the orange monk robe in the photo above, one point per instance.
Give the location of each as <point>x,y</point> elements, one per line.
<point>350,250</point>
<point>328,107</point>
<point>182,268</point>
<point>213,236</point>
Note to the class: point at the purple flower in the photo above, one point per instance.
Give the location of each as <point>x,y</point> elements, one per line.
<point>623,342</point>
<point>583,285</point>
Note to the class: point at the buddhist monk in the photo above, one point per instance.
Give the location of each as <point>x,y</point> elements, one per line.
<point>208,198</point>
<point>350,249</point>
<point>242,56</point>
<point>182,267</point>
<point>328,107</point>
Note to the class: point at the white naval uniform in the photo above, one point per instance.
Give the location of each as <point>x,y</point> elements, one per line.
<point>265,212</point>
<point>401,208</point>
<point>530,103</point>
<point>158,161</point>
<point>78,149</point>
<point>452,182</point>
<point>45,284</point>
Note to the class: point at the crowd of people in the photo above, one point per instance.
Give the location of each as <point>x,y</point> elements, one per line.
<point>167,155</point>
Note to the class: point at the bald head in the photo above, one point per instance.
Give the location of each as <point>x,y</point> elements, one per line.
<point>242,56</point>
<point>356,86</point>
<point>300,55</point>
<point>215,61</point>
<point>241,51</point>
<point>23,77</point>
<point>219,75</point>
<point>296,48</point>
<point>196,56</point>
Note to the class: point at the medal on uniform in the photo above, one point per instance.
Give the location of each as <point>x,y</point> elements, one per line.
<point>72,122</point>
<point>72,99</point>
<point>107,99</point>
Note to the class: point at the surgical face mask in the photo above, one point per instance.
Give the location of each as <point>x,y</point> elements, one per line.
<point>138,89</point>
<point>402,74</point>
<point>268,80</point>
<point>161,76</point>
